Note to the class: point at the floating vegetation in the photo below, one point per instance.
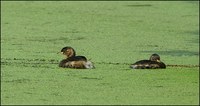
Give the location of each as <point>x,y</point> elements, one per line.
<point>89,78</point>
<point>44,62</point>
<point>18,81</point>
<point>183,66</point>
<point>175,52</point>
<point>28,62</point>
<point>139,5</point>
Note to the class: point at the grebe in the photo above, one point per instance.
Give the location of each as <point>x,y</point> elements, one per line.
<point>153,63</point>
<point>73,61</point>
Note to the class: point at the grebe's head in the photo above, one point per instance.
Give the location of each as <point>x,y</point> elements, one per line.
<point>155,57</point>
<point>68,51</point>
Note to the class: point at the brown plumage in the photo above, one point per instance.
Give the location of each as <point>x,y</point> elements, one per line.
<point>73,61</point>
<point>153,63</point>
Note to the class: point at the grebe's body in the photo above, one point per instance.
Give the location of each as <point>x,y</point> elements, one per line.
<point>73,61</point>
<point>153,63</point>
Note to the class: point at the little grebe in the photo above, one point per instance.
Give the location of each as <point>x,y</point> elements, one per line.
<point>73,61</point>
<point>153,63</point>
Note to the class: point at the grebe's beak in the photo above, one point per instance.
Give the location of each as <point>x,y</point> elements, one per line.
<point>59,52</point>
<point>158,61</point>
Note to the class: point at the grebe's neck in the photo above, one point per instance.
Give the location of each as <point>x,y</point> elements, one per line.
<point>70,53</point>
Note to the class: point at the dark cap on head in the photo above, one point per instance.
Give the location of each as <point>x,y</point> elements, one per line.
<point>65,48</point>
<point>69,51</point>
<point>154,57</point>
